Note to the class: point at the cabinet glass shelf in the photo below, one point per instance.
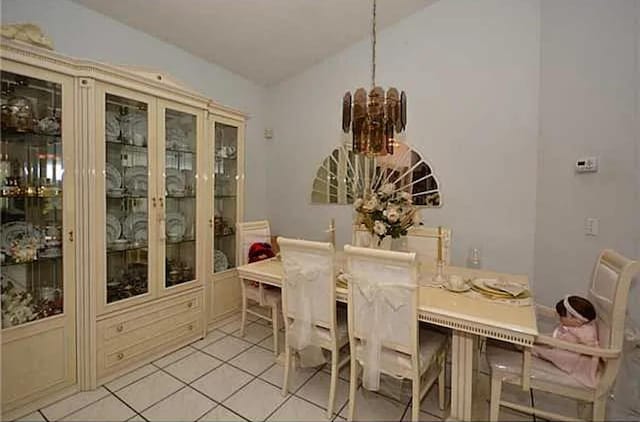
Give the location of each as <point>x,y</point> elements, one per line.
<point>126,182</point>
<point>225,195</point>
<point>31,176</point>
<point>180,171</point>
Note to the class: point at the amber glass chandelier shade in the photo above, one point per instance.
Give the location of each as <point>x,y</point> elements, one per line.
<point>374,119</point>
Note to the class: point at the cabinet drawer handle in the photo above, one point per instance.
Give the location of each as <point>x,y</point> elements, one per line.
<point>153,202</point>
<point>190,327</point>
<point>70,235</point>
<point>120,356</point>
<point>190,304</point>
<point>119,328</point>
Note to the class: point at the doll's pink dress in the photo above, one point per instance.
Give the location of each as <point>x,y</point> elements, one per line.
<point>583,368</point>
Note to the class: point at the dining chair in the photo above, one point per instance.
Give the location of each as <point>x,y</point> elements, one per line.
<point>424,242</point>
<point>608,292</point>
<point>310,313</point>
<point>384,332</point>
<point>268,299</point>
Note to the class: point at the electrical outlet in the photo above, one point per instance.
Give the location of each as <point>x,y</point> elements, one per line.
<point>591,226</point>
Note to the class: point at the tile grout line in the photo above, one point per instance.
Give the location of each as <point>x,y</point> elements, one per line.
<point>43,416</point>
<point>79,408</point>
<point>126,404</point>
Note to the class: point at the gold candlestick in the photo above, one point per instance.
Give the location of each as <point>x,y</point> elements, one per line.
<point>439,276</point>
<point>332,232</point>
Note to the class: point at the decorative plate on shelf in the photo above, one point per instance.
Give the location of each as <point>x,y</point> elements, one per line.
<point>135,227</point>
<point>112,126</point>
<point>174,182</point>
<point>176,225</point>
<point>113,178</point>
<point>139,129</point>
<point>220,260</point>
<point>136,180</point>
<point>21,240</point>
<point>114,228</point>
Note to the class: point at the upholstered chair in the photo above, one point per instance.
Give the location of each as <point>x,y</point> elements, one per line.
<point>608,291</point>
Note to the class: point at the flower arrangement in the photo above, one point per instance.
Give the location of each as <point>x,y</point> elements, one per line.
<point>386,212</point>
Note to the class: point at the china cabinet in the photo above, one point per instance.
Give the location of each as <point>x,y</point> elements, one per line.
<point>119,194</point>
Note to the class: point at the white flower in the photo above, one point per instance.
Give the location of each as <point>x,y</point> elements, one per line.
<point>371,204</point>
<point>379,228</point>
<point>392,214</point>
<point>387,188</point>
<point>358,203</point>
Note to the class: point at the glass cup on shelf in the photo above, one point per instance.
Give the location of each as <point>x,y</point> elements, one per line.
<point>473,258</point>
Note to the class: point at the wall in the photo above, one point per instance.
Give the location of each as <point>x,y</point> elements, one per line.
<point>471,73</point>
<point>588,106</point>
<point>80,32</point>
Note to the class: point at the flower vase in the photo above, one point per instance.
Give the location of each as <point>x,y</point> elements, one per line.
<point>399,244</point>
<point>384,244</point>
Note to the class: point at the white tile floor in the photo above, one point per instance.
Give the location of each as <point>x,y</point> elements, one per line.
<point>227,378</point>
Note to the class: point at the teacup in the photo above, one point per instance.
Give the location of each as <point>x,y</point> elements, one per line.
<point>456,282</point>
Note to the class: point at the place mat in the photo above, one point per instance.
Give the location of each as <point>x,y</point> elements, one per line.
<point>475,294</point>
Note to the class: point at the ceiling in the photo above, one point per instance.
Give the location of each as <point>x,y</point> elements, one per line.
<point>265,41</point>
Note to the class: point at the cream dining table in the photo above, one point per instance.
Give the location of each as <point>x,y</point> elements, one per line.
<point>469,318</point>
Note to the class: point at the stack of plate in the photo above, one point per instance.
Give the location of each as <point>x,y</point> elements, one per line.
<point>500,289</point>
<point>175,182</point>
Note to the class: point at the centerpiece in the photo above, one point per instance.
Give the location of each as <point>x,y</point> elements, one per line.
<point>386,213</point>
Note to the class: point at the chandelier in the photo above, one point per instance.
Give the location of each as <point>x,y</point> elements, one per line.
<point>374,118</point>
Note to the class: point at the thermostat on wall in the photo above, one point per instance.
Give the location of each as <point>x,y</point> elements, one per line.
<point>587,164</point>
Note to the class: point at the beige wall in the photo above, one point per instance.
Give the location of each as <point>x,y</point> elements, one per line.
<point>588,106</point>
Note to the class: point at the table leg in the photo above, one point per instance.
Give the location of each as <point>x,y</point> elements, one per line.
<point>462,357</point>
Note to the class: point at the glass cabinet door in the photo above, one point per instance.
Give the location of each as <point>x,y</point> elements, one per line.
<point>31,175</point>
<point>180,197</point>
<point>225,196</point>
<point>127,190</point>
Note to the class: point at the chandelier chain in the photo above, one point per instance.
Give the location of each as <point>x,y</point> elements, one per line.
<point>373,47</point>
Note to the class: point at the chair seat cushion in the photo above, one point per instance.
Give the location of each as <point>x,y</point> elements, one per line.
<point>270,296</point>
<point>342,332</point>
<point>397,363</point>
<point>509,361</point>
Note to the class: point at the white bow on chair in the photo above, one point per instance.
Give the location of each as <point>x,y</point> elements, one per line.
<point>376,294</point>
<point>299,278</point>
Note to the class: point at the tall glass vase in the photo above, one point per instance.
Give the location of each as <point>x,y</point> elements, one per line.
<point>384,244</point>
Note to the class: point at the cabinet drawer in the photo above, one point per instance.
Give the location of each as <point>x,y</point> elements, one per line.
<point>149,317</point>
<point>148,332</point>
<point>124,354</point>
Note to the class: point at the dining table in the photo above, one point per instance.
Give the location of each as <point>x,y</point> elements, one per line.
<point>469,316</point>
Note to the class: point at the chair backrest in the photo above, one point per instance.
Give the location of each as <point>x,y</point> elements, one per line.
<point>609,293</point>
<point>249,233</point>
<point>309,283</point>
<point>397,319</point>
<point>424,242</point>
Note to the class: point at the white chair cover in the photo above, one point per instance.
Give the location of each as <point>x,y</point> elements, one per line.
<point>308,289</point>
<point>382,298</point>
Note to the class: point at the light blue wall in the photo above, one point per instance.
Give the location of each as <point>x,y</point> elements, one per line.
<point>80,32</point>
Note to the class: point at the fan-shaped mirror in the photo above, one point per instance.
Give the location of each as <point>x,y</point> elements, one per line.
<point>344,176</point>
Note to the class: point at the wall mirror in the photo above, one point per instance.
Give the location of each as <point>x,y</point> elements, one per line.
<point>343,176</point>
